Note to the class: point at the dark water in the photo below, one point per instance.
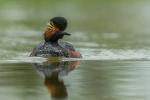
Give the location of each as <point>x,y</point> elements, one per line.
<point>112,35</point>
<point>98,80</point>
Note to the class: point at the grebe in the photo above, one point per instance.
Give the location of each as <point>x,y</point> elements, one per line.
<point>53,46</point>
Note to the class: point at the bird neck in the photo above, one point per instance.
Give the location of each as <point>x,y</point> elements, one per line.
<point>54,38</point>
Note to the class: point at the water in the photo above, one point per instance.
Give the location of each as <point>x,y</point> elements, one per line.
<point>113,37</point>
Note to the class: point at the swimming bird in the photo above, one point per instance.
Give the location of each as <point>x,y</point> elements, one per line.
<point>53,44</point>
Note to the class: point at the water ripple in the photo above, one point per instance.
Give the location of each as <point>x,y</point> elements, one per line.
<point>113,54</point>
<point>87,54</point>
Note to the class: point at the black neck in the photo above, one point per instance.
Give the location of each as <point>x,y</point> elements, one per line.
<point>55,37</point>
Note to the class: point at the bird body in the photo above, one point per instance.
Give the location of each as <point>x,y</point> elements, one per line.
<point>54,49</point>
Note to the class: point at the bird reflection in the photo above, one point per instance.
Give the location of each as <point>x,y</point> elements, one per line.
<point>53,71</point>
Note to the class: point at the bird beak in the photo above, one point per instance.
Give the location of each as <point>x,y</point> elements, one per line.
<point>65,33</point>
